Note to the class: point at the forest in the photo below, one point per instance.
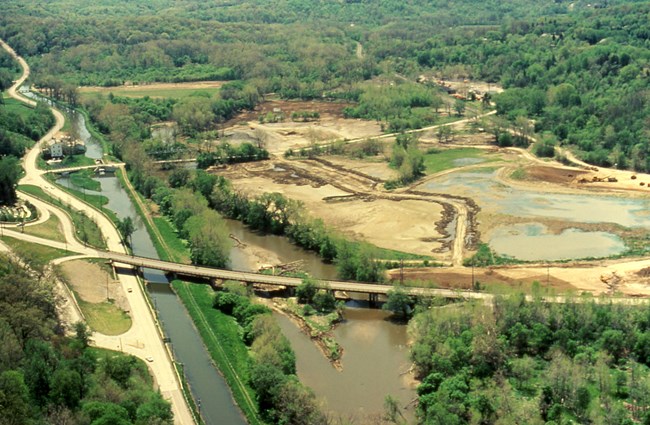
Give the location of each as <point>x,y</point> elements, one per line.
<point>533,362</point>
<point>578,70</point>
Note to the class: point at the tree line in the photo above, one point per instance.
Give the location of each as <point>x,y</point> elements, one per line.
<point>280,396</point>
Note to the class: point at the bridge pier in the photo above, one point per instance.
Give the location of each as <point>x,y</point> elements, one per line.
<point>373,299</point>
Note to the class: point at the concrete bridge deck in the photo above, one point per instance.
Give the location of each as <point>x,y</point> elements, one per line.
<point>249,277</point>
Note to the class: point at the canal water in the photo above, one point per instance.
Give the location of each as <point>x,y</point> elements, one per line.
<point>207,385</point>
<point>375,349</point>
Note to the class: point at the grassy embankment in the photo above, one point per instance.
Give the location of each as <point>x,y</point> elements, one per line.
<point>227,350</point>
<point>32,251</point>
<point>82,223</point>
<point>50,229</point>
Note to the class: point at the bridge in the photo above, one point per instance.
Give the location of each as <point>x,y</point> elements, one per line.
<point>175,161</point>
<point>372,289</point>
<point>107,167</point>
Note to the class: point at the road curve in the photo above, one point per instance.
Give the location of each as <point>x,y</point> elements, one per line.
<point>143,339</point>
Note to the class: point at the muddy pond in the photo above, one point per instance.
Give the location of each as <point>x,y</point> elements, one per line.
<point>533,241</point>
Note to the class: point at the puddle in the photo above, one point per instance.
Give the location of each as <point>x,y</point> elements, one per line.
<point>461,162</point>
<point>532,242</point>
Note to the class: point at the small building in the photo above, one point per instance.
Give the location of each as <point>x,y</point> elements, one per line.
<point>63,145</point>
<point>56,150</point>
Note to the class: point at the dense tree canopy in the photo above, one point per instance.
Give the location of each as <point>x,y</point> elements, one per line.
<point>532,362</point>
<point>47,378</point>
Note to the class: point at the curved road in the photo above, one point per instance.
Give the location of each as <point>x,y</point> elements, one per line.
<point>143,339</point>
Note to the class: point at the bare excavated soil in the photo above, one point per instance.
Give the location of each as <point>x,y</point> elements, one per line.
<point>342,201</point>
<point>462,279</point>
<point>89,282</point>
<point>553,174</point>
<point>288,134</point>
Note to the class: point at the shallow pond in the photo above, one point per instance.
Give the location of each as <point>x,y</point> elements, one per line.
<point>532,242</point>
<point>497,197</point>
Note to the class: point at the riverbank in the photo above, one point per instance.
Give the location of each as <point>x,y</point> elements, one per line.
<point>322,336</point>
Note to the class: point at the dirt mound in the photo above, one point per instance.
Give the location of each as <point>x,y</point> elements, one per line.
<point>644,272</point>
<point>554,175</point>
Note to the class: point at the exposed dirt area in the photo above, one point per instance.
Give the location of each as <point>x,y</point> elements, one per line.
<point>492,279</point>
<point>329,196</point>
<point>554,175</point>
<point>288,134</point>
<point>88,280</point>
<point>153,86</point>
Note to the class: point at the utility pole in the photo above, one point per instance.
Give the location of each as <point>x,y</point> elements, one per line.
<point>401,272</point>
<point>472,274</point>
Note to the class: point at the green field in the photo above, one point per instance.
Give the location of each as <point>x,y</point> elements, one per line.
<point>436,160</point>
<point>105,317</point>
<point>12,105</point>
<point>51,229</point>
<point>39,253</point>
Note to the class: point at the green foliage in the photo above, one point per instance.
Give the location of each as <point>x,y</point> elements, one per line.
<point>306,291</point>
<point>126,228</point>
<point>484,257</point>
<point>9,174</point>
<point>398,302</point>
<point>545,148</point>
<point>45,376</point>
<point>397,105</point>
<point>18,121</point>
<point>546,361</point>
<point>227,154</point>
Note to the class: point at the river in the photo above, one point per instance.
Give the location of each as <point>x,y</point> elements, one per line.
<point>375,349</point>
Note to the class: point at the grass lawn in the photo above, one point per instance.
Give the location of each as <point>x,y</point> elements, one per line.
<point>440,160</point>
<point>12,105</point>
<point>179,251</point>
<point>84,179</point>
<point>32,250</point>
<point>51,229</point>
<point>82,223</point>
<point>105,317</point>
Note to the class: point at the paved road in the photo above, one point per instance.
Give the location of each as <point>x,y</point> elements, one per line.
<point>143,339</point>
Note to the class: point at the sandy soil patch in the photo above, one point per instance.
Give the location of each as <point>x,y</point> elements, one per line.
<point>290,134</point>
<point>88,280</point>
<point>376,168</point>
<point>407,225</point>
<point>153,86</point>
